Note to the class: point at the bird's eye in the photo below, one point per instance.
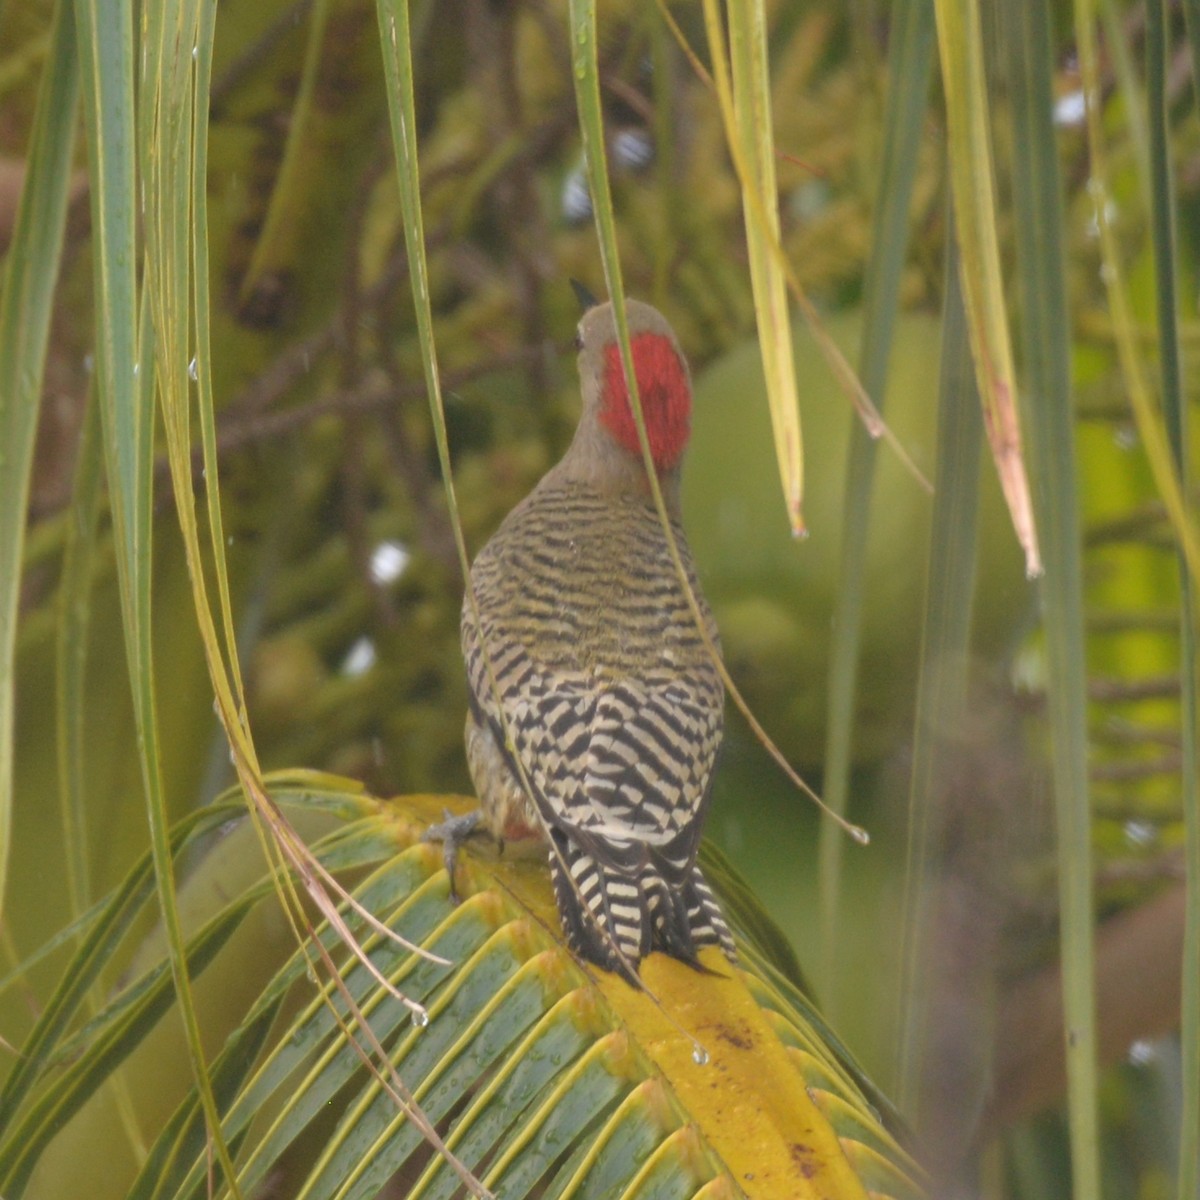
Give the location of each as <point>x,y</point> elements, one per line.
<point>578,340</point>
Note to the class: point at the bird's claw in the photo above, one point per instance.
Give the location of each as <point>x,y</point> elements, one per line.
<point>453,832</point>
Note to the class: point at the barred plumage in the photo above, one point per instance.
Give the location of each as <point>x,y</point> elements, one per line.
<point>599,679</point>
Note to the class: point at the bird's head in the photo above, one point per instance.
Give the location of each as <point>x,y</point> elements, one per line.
<point>664,386</point>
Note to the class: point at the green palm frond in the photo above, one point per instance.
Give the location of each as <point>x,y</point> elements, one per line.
<point>545,1078</point>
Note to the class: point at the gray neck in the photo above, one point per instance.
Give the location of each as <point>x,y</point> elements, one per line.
<point>594,458</point>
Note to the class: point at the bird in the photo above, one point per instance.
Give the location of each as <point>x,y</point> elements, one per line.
<point>596,708</point>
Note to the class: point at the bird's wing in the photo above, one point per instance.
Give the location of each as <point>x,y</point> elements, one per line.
<point>623,767</point>
<point>650,759</point>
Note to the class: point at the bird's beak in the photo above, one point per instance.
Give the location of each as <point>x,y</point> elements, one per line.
<point>583,295</point>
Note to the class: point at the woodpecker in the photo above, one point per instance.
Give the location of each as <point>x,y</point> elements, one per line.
<point>587,669</point>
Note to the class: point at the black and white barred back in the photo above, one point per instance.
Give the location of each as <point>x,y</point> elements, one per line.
<point>614,709</point>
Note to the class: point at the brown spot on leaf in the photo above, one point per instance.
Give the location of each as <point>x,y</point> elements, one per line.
<point>739,1039</point>
<point>802,1157</point>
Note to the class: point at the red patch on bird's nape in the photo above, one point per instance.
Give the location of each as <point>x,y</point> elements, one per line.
<point>664,392</point>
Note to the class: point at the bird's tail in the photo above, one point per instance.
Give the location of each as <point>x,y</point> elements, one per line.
<point>608,910</point>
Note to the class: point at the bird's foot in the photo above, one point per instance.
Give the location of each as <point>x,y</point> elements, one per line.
<point>453,833</point>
